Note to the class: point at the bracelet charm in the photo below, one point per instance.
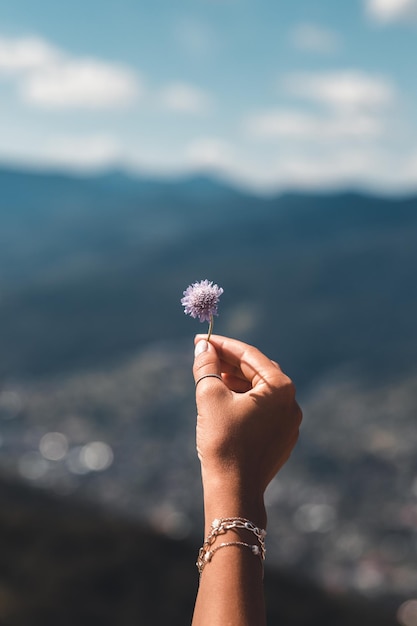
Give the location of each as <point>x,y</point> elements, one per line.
<point>220,527</point>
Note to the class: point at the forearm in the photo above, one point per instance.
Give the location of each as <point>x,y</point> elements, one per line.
<point>231,583</point>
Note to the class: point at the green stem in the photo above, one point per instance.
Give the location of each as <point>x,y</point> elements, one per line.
<point>210,330</point>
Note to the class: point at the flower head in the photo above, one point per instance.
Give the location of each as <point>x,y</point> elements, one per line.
<point>201,300</point>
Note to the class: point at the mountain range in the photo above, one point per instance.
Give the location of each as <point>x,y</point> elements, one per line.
<point>92,268</point>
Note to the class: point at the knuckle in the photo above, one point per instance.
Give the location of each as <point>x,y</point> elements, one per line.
<point>288,386</point>
<point>299,415</point>
<point>204,391</point>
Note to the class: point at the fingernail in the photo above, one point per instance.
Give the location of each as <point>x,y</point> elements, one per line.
<point>201,347</point>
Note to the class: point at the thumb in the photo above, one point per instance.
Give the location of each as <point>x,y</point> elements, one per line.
<point>206,366</point>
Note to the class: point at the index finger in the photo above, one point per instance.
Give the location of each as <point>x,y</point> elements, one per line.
<point>254,365</point>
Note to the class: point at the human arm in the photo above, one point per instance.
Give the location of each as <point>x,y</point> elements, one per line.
<point>247,425</point>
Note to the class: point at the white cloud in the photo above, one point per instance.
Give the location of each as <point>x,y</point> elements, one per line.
<point>345,89</point>
<point>309,126</point>
<point>391,10</point>
<point>343,167</point>
<point>17,55</point>
<point>80,84</point>
<point>315,38</point>
<point>185,98</point>
<point>353,106</point>
<point>209,153</point>
<point>409,170</point>
<point>375,169</point>
<point>335,168</point>
<point>48,77</point>
<point>76,151</point>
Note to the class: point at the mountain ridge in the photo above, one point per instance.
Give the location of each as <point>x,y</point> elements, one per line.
<point>83,263</point>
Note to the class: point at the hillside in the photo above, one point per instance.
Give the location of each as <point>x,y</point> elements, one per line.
<point>68,563</point>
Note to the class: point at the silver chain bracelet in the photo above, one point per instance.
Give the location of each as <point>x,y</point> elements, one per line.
<point>220,527</point>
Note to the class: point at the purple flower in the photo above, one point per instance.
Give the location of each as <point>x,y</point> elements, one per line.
<point>201,300</point>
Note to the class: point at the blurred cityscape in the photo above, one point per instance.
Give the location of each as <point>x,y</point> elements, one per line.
<point>343,511</point>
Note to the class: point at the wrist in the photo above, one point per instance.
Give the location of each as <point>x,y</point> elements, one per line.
<point>228,498</point>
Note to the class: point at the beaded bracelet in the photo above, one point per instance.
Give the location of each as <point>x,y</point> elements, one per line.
<point>220,527</point>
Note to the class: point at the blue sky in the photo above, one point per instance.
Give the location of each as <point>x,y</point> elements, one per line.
<point>269,94</point>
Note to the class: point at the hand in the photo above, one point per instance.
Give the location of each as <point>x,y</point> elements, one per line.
<point>247,425</point>
<point>248,422</point>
